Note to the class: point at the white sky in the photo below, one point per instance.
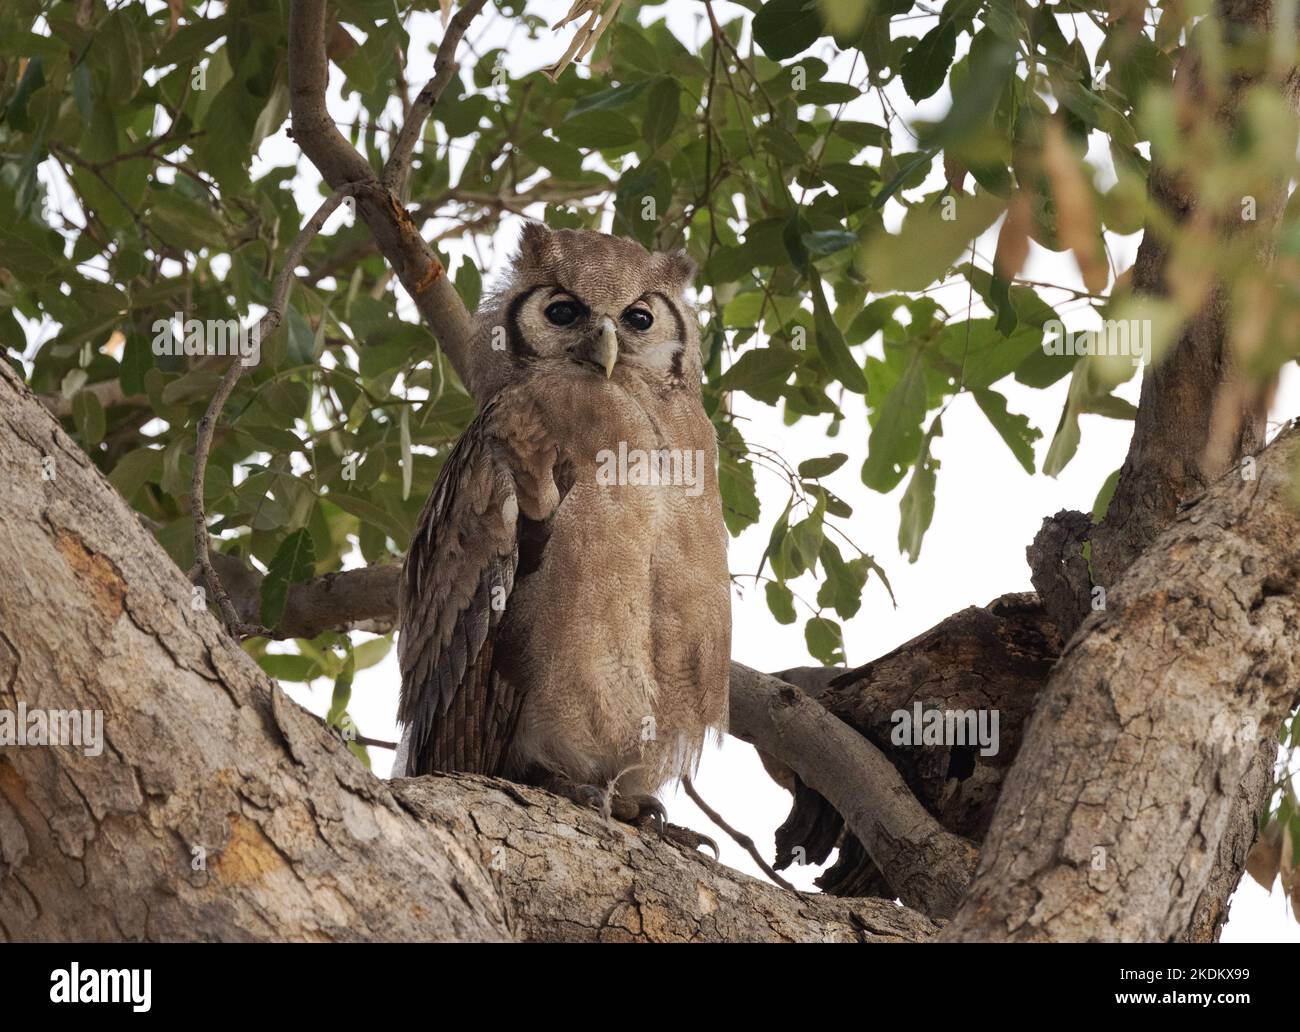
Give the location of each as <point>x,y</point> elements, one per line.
<point>987,508</point>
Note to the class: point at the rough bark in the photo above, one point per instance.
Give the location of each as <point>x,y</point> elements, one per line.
<point>573,877</point>
<point>996,657</point>
<point>1059,571</point>
<point>219,809</point>
<point>1112,818</point>
<point>1198,416</point>
<point>928,866</point>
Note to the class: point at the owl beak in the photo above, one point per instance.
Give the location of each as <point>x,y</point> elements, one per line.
<point>605,351</point>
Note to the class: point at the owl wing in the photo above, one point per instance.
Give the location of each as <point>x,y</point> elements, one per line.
<point>457,578</point>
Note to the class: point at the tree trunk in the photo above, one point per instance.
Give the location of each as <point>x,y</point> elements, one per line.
<point>1111,820</point>
<point>1197,415</point>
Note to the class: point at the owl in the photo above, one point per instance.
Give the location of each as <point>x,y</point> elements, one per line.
<point>565,601</point>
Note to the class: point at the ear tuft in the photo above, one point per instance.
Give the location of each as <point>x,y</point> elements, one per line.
<point>679,269</point>
<point>534,240</point>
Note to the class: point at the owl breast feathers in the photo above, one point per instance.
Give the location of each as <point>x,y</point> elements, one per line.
<point>565,604</point>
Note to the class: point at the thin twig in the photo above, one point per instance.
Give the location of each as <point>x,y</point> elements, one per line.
<point>369,743</point>
<point>208,423</point>
<point>742,840</point>
<point>444,67</point>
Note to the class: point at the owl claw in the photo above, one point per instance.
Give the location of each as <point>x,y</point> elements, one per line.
<point>637,810</point>
<point>592,797</point>
<point>690,839</point>
<point>651,809</point>
<point>647,807</point>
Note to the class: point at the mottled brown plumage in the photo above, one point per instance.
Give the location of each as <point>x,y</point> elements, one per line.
<point>562,623</point>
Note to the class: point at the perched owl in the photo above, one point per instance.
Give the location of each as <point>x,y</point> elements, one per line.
<point>565,604</point>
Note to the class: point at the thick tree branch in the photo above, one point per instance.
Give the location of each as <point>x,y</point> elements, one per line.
<point>219,809</point>
<point>109,393</point>
<point>992,659</point>
<point>928,866</point>
<point>338,162</point>
<point>364,599</point>
<point>572,876</point>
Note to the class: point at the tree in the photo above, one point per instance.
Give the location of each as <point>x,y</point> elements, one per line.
<point>1157,659</point>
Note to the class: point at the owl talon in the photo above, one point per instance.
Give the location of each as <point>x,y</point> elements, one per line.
<point>637,810</point>
<point>690,839</point>
<point>592,797</point>
<point>646,808</point>
<point>652,811</point>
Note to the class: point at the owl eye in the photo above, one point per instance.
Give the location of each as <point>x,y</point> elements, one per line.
<point>638,319</point>
<point>561,313</point>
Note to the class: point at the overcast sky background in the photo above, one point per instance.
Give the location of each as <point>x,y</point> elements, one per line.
<point>987,509</point>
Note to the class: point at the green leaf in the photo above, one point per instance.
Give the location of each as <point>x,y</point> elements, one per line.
<point>288,667</point>
<point>933,237</point>
<point>801,545</point>
<point>135,469</point>
<point>1013,428</point>
<point>371,653</point>
<point>783,28</point>
<point>371,514</point>
<point>740,508</point>
<point>1090,387</point>
<point>663,108</point>
<point>925,66</point>
<point>117,50</point>
<point>830,342</point>
<point>978,349</point>
<point>271,116</point>
<point>896,438</point>
<point>185,222</point>
<point>841,589</point>
<point>608,100</point>
<point>828,241</point>
<point>300,340</point>
<point>33,79</point>
<point>917,506</point>
<point>775,553</point>
<point>598,130</point>
<point>1102,502</point>
<point>825,642</point>
<point>780,600</point>
<point>408,463</point>
<point>811,469</point>
<point>469,283</point>
<point>88,414</point>
<point>342,692</point>
<point>761,372</point>
<point>294,563</point>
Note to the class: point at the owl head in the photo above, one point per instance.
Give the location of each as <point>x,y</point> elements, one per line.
<point>601,302</point>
